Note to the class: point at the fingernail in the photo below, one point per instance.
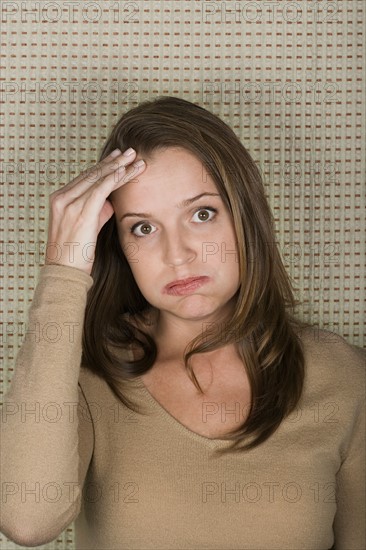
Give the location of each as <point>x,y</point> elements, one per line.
<point>139,163</point>
<point>128,152</point>
<point>115,153</point>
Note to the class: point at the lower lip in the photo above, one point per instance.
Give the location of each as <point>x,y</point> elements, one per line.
<point>181,290</point>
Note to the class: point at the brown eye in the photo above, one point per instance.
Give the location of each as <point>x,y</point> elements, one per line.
<point>142,229</point>
<point>204,214</point>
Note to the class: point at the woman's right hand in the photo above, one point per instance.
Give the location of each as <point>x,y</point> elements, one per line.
<point>79,210</point>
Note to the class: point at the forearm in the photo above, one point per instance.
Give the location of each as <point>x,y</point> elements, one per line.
<point>39,421</point>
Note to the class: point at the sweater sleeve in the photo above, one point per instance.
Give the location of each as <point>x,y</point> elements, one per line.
<point>46,435</point>
<point>349,523</point>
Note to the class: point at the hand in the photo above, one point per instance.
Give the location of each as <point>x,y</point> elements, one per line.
<point>79,210</point>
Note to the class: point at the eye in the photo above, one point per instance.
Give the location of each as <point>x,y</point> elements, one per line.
<point>205,214</point>
<point>142,229</point>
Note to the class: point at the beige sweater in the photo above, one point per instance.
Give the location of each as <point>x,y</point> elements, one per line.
<point>71,451</point>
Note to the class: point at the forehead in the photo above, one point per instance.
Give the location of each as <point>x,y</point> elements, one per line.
<point>172,173</point>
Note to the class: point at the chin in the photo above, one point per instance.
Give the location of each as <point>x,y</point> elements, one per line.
<point>195,309</point>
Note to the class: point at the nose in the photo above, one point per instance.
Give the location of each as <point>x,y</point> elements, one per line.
<point>178,249</point>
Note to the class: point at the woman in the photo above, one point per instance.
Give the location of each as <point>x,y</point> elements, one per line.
<point>183,405</point>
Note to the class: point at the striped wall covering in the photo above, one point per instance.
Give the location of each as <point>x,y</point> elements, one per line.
<point>288,76</point>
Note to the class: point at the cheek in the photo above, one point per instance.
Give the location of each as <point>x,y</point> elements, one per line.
<point>131,251</point>
<point>141,261</point>
<point>221,250</point>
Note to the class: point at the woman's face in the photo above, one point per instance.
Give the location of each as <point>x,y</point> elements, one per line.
<point>173,225</point>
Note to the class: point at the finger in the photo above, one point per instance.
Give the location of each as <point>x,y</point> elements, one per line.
<point>108,165</point>
<point>91,176</point>
<point>84,174</point>
<point>96,196</point>
<point>124,175</point>
<point>105,214</point>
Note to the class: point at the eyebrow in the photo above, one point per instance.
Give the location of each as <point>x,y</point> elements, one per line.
<point>183,204</point>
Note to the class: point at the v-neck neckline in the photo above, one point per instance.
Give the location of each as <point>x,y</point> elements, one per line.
<point>163,413</point>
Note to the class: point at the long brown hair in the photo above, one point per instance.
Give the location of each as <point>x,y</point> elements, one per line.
<point>263,326</point>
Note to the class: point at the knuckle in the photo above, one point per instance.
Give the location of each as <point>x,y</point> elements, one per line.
<point>93,174</point>
<point>118,165</point>
<point>96,192</point>
<point>54,194</point>
<point>72,209</point>
<point>57,201</point>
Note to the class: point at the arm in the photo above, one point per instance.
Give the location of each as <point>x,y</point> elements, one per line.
<point>349,522</point>
<point>46,443</point>
<point>45,449</point>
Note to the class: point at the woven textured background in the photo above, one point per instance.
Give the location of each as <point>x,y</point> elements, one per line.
<point>289,77</point>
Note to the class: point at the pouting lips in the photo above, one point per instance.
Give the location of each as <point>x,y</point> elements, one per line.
<point>183,286</point>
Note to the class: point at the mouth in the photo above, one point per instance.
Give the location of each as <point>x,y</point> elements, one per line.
<point>185,286</point>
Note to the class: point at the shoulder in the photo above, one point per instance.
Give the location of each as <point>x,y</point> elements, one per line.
<point>331,349</point>
<point>332,363</point>
<point>95,385</point>
<point>90,379</point>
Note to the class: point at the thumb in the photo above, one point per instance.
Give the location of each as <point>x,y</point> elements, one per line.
<point>105,214</point>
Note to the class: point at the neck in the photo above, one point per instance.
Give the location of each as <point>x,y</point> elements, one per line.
<point>172,334</point>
